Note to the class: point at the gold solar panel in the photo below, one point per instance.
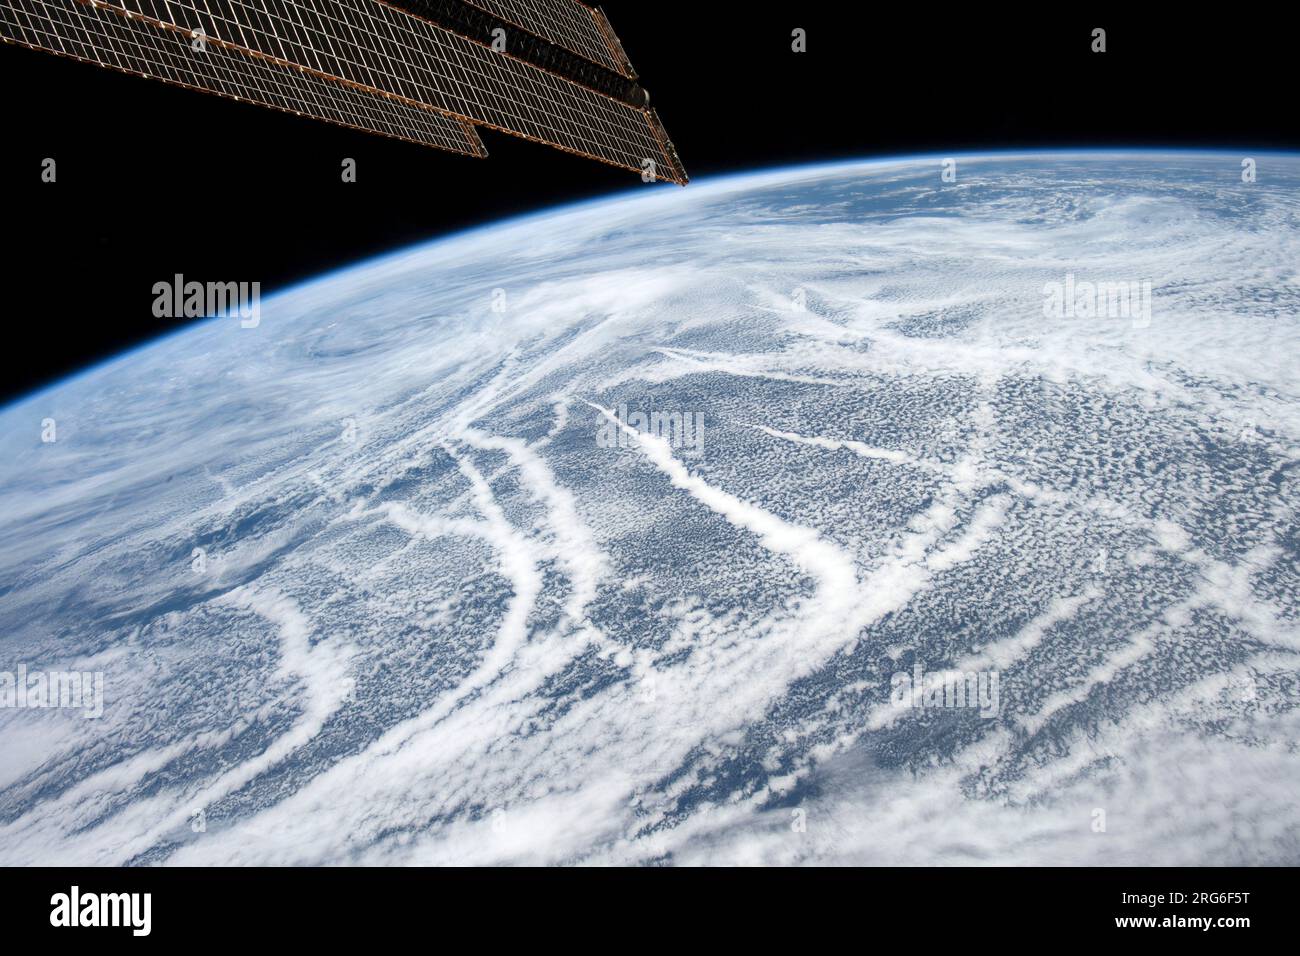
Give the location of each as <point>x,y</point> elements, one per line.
<point>105,36</point>
<point>362,63</point>
<point>575,26</point>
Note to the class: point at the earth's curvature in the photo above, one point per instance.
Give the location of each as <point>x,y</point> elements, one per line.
<point>395,576</point>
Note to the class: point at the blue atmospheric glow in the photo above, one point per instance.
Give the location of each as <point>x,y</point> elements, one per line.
<point>697,185</point>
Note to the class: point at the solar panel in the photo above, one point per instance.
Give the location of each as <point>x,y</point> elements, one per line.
<point>575,26</point>
<point>405,62</point>
<point>97,34</point>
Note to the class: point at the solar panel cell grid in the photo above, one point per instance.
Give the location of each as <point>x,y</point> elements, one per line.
<point>403,75</point>
<point>381,47</point>
<point>565,23</point>
<point>106,37</point>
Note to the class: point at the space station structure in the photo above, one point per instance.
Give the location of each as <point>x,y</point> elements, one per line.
<point>427,71</point>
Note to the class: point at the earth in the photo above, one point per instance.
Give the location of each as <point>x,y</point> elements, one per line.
<point>629,533</point>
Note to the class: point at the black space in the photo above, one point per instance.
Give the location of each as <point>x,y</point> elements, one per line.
<point>155,180</point>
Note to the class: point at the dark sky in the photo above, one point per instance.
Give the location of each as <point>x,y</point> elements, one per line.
<point>154,180</point>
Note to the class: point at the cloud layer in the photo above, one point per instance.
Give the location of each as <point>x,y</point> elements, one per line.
<point>436,621</point>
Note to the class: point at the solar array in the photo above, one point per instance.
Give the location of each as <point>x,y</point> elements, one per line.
<point>103,35</point>
<point>369,65</point>
<point>576,27</point>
